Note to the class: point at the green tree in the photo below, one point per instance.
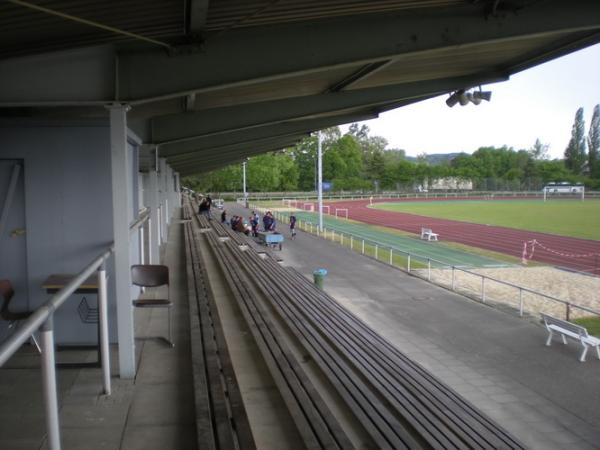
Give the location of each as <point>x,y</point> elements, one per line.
<point>539,151</point>
<point>575,155</point>
<point>593,141</point>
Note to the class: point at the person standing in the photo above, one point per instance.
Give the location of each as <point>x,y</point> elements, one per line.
<point>293,226</point>
<point>209,203</point>
<point>224,217</point>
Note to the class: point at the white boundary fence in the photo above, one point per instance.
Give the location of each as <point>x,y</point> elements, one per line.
<point>427,269</point>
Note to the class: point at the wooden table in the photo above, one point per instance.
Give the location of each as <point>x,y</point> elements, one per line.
<point>55,283</point>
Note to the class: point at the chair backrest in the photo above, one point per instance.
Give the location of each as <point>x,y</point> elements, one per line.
<point>573,328</point>
<point>149,275</point>
<point>6,292</point>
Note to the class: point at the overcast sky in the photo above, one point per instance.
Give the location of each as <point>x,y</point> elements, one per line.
<point>538,103</point>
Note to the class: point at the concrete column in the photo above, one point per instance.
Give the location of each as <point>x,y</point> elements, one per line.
<point>178,188</point>
<point>121,206</point>
<point>153,202</point>
<point>163,197</point>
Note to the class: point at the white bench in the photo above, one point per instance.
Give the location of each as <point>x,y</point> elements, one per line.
<point>573,331</point>
<point>427,233</point>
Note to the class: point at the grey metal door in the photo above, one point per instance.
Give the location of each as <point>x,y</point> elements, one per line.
<point>13,248</point>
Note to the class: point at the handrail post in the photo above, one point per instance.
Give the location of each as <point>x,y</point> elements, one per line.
<point>428,269</point>
<point>351,242</point>
<point>408,263</point>
<point>141,243</point>
<point>103,324</point>
<point>453,279</point>
<point>521,302</point>
<point>376,251</point>
<point>363,246</point>
<point>568,315</point>
<point>391,256</point>
<point>49,383</point>
<point>483,289</point>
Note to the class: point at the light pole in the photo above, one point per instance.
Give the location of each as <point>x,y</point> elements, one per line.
<point>320,181</point>
<point>244,183</point>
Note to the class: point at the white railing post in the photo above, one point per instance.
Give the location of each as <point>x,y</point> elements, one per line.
<point>408,263</point>
<point>342,239</point>
<point>428,269</point>
<point>376,251</point>
<point>333,235</point>
<point>453,279</point>
<point>351,242</point>
<point>49,384</point>
<point>363,246</point>
<point>103,324</point>
<point>391,256</point>
<point>141,243</point>
<point>520,302</point>
<point>483,289</point>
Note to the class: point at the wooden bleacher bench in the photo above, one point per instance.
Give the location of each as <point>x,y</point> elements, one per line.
<point>573,331</point>
<point>428,234</point>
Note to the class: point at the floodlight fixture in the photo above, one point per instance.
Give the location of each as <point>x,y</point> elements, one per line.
<point>452,100</point>
<point>482,95</point>
<point>463,98</point>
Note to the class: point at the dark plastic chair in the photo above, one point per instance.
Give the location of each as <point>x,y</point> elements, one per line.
<point>13,318</point>
<point>151,275</point>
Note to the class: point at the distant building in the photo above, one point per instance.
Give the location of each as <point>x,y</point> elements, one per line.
<point>451,184</point>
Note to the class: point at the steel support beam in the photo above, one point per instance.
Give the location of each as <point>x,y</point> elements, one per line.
<point>228,150</point>
<point>221,120</point>
<point>253,135</point>
<point>121,206</point>
<point>247,55</point>
<point>257,54</point>
<point>234,154</point>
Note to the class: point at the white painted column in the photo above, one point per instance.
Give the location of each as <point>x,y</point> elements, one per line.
<point>153,202</point>
<point>162,188</point>
<point>121,206</point>
<point>320,180</point>
<point>178,188</point>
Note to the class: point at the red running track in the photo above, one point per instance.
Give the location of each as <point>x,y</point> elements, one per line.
<point>499,239</point>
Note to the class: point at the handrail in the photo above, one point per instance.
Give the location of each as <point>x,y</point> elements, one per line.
<point>43,312</point>
<point>462,269</point>
<point>42,319</point>
<point>143,216</point>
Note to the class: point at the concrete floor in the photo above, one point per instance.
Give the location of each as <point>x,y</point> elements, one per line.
<point>496,360</point>
<point>154,411</point>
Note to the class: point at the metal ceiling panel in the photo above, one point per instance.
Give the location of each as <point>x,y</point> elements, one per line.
<point>25,31</point>
<point>224,15</point>
<point>453,62</point>
<point>307,84</point>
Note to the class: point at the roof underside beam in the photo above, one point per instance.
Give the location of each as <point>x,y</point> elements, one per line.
<point>205,161</point>
<point>197,14</point>
<point>249,55</point>
<point>254,134</point>
<point>220,120</point>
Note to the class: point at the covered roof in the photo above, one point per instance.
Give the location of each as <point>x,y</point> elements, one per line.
<point>212,82</point>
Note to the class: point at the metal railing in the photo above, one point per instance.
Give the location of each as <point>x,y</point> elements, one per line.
<point>143,217</point>
<point>425,262</point>
<point>42,319</point>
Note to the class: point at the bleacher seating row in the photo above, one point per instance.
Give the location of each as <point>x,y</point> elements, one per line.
<point>388,400</point>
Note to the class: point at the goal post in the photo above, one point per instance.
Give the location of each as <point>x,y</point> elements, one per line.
<point>342,211</point>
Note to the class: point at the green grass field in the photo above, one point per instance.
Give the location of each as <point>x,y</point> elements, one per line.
<point>563,217</point>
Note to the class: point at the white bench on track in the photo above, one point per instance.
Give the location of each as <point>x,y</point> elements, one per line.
<point>428,234</point>
<point>573,331</point>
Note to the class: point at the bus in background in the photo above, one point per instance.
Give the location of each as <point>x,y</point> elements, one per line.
<point>563,187</point>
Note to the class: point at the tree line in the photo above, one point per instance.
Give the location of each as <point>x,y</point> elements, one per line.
<point>359,161</point>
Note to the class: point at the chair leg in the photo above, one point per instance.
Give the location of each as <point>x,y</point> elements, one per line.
<point>585,349</point>
<point>549,340</point>
<point>170,327</point>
